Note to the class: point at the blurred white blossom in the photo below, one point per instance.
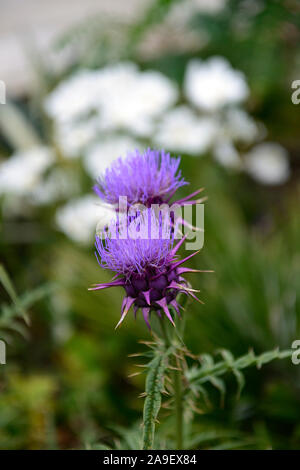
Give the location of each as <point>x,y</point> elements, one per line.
<point>57,185</point>
<point>239,126</point>
<point>121,96</point>
<point>100,155</point>
<point>80,218</point>
<point>74,97</point>
<point>205,6</point>
<point>226,154</point>
<point>22,172</point>
<point>234,125</point>
<point>268,163</point>
<point>73,137</point>
<point>212,84</point>
<point>98,113</point>
<point>132,99</point>
<point>182,130</point>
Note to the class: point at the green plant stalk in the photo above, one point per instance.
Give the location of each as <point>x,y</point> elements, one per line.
<point>177,385</point>
<point>154,384</point>
<point>201,375</point>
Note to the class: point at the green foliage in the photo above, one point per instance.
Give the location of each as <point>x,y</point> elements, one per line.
<point>210,371</point>
<point>11,314</point>
<point>8,285</point>
<point>154,386</point>
<point>71,385</point>
<point>159,368</point>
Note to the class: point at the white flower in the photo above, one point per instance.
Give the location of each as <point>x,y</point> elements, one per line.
<point>120,94</point>
<point>240,126</point>
<point>182,130</point>
<point>214,84</point>
<point>57,185</point>
<point>226,154</point>
<point>80,218</point>
<point>73,97</point>
<point>268,163</point>
<point>73,137</point>
<point>22,172</point>
<point>132,99</point>
<point>155,93</point>
<point>100,155</point>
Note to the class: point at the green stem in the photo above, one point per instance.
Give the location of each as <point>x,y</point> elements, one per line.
<point>177,384</point>
<point>164,332</point>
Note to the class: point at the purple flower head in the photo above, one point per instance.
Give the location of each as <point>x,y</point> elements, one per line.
<point>149,178</point>
<point>133,244</point>
<point>143,257</point>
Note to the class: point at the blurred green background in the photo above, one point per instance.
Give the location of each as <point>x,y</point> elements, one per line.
<point>66,382</point>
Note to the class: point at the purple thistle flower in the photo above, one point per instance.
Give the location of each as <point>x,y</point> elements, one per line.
<point>147,268</point>
<point>148,178</point>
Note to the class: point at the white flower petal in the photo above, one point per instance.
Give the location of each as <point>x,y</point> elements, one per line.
<point>73,97</point>
<point>122,96</point>
<point>213,84</point>
<point>72,138</point>
<point>268,163</point>
<point>227,155</point>
<point>240,126</point>
<point>100,155</point>
<point>57,185</point>
<point>22,172</point>
<point>182,130</point>
<point>80,218</point>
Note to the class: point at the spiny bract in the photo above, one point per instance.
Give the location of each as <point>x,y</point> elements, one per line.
<point>143,256</point>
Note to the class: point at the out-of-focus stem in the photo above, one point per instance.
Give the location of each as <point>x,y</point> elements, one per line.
<point>177,385</point>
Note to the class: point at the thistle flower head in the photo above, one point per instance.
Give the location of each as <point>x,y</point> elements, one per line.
<point>143,257</point>
<point>150,177</point>
<point>134,244</point>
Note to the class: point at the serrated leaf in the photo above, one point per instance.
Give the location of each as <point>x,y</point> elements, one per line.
<point>227,356</point>
<point>211,371</point>
<point>240,381</point>
<point>8,286</point>
<point>207,361</point>
<point>204,394</point>
<point>220,385</point>
<point>153,389</point>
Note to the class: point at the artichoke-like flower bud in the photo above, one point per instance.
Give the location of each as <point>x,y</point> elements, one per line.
<point>142,255</point>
